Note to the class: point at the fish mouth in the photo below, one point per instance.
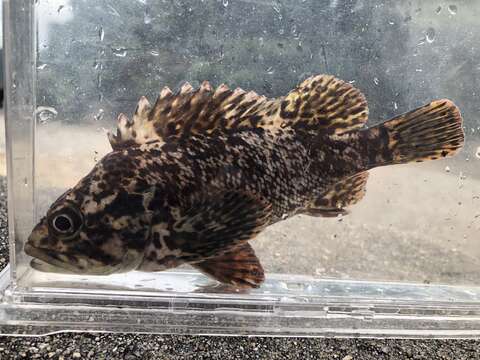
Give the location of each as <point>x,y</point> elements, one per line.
<point>47,261</point>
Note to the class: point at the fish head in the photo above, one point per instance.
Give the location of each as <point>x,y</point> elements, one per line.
<point>96,228</point>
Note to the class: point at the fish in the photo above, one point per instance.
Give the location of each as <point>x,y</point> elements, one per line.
<point>193,178</point>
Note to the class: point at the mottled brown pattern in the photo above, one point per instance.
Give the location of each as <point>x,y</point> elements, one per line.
<point>195,177</point>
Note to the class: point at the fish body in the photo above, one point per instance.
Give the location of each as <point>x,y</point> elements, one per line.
<point>195,177</point>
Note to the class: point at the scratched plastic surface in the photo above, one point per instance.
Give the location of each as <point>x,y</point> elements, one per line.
<point>418,224</point>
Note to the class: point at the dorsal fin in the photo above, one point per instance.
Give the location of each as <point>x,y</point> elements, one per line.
<point>321,103</point>
<point>324,103</point>
<point>203,110</point>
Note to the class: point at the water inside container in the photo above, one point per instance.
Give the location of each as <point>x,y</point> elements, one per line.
<point>417,222</point>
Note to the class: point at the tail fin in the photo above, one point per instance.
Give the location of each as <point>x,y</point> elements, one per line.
<point>430,132</point>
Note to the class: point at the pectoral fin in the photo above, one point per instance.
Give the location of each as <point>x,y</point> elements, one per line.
<point>239,267</point>
<point>220,220</point>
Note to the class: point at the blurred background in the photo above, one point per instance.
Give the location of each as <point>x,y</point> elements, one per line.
<point>95,58</point>
<point>417,223</point>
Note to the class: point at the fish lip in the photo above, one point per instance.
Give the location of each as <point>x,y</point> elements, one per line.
<point>36,252</point>
<point>32,251</point>
<point>42,260</point>
<point>44,266</point>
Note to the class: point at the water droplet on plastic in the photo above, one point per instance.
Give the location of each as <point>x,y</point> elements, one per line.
<point>420,42</point>
<point>447,169</point>
<point>154,53</point>
<point>120,52</point>
<point>294,29</point>
<point>430,35</point>
<point>477,153</point>
<point>41,66</point>
<point>270,70</point>
<point>395,105</point>
<point>276,7</point>
<point>376,81</point>
<point>99,115</point>
<point>452,9</point>
<point>103,130</point>
<point>147,19</point>
<point>113,11</point>
<point>25,182</point>
<point>462,176</point>
<point>438,10</point>
<point>46,114</point>
<point>101,33</point>
<point>225,3</point>
<point>97,65</point>
<point>418,70</point>
<point>60,8</point>
<point>295,286</point>
<point>14,80</point>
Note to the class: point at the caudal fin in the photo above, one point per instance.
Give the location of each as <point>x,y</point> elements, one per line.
<point>430,132</point>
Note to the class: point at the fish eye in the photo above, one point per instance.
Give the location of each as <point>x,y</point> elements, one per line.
<point>66,221</point>
<point>62,223</point>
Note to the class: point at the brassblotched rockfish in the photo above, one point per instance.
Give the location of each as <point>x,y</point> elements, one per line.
<point>195,177</point>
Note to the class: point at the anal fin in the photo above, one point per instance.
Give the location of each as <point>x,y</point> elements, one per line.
<point>238,266</point>
<point>344,193</point>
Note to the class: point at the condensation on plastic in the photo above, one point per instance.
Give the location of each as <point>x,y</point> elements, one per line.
<point>183,301</point>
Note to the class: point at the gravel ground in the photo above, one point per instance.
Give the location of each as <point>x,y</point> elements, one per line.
<point>130,346</point>
<point>106,346</point>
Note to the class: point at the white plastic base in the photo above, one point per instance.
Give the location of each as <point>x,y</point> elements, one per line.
<point>284,306</point>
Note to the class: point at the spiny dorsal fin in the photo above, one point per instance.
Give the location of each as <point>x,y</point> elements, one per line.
<point>239,267</point>
<point>136,131</point>
<point>190,111</point>
<point>343,194</point>
<point>324,103</point>
<point>321,103</point>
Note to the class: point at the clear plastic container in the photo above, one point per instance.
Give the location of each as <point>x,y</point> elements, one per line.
<point>403,263</point>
